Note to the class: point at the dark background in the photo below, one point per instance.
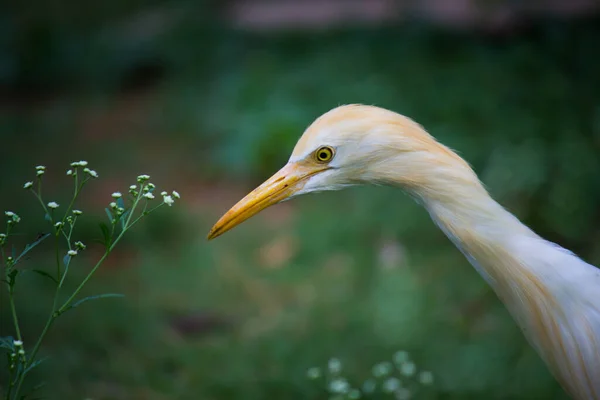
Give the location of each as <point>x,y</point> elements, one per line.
<point>209,97</point>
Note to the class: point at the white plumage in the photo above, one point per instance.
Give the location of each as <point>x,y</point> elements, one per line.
<point>553,295</point>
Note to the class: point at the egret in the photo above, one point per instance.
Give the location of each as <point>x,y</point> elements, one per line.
<point>553,295</point>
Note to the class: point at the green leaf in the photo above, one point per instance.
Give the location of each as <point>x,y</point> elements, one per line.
<point>30,246</point>
<point>120,202</point>
<point>98,296</point>
<point>47,217</point>
<point>124,218</point>
<point>7,342</point>
<point>12,277</point>
<point>35,364</point>
<point>44,273</point>
<point>109,214</point>
<point>105,234</point>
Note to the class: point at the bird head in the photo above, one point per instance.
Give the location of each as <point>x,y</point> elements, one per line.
<point>349,145</point>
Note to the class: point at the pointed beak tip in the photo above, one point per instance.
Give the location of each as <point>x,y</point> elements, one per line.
<point>279,187</point>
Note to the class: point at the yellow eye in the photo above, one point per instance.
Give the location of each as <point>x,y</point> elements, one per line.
<point>324,154</point>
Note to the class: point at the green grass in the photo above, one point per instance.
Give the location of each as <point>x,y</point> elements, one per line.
<point>304,281</point>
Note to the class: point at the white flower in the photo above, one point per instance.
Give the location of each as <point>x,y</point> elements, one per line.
<point>58,224</point>
<point>2,235</point>
<point>116,195</point>
<point>83,163</point>
<point>176,195</point>
<point>334,365</point>
<point>40,168</point>
<point>22,352</point>
<point>18,343</point>
<point>113,205</point>
<point>132,187</point>
<point>72,253</point>
<point>27,185</point>
<point>391,385</point>
<point>401,357</point>
<point>408,369</point>
<point>53,204</point>
<point>77,212</point>
<point>163,193</point>
<point>382,369</point>
<point>426,378</point>
<point>90,172</point>
<point>149,196</point>
<point>369,386</point>
<point>143,178</point>
<point>80,245</point>
<point>339,386</point>
<point>70,172</point>
<point>40,172</point>
<point>168,200</point>
<point>9,214</point>
<point>313,373</point>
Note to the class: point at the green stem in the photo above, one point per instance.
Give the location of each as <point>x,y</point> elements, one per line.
<point>13,310</point>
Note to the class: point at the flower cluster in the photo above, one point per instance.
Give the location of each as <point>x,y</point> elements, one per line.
<point>399,378</point>
<point>123,212</point>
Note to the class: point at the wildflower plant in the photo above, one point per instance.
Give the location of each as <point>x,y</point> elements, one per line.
<point>396,379</point>
<point>123,212</point>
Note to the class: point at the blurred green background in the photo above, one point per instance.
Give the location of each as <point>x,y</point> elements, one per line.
<point>210,107</point>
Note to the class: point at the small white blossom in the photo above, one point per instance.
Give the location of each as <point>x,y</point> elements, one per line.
<point>80,245</point>
<point>163,193</point>
<point>176,195</point>
<point>408,369</point>
<point>143,178</point>
<point>9,214</point>
<point>83,163</point>
<point>391,385</point>
<point>70,172</point>
<point>90,172</point>
<point>22,352</point>
<point>382,369</point>
<point>339,386</point>
<point>426,378</point>
<point>401,357</point>
<point>149,196</point>
<point>53,204</point>
<point>40,168</point>
<point>334,365</point>
<point>313,373</point>
<point>113,205</point>
<point>27,185</point>
<point>77,212</point>
<point>40,172</point>
<point>116,195</point>
<point>132,187</point>
<point>58,224</point>
<point>2,235</point>
<point>72,253</point>
<point>18,343</point>
<point>168,200</point>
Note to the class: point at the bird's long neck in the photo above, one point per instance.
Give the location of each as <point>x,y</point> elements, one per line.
<point>481,228</point>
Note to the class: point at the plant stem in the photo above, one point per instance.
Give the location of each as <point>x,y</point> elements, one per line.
<point>13,310</point>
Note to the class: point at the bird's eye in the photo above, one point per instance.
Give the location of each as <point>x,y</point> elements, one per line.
<point>324,154</point>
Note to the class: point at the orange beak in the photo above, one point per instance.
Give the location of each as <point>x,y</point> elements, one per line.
<point>281,186</point>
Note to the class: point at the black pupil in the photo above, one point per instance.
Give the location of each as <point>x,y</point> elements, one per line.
<point>323,155</point>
